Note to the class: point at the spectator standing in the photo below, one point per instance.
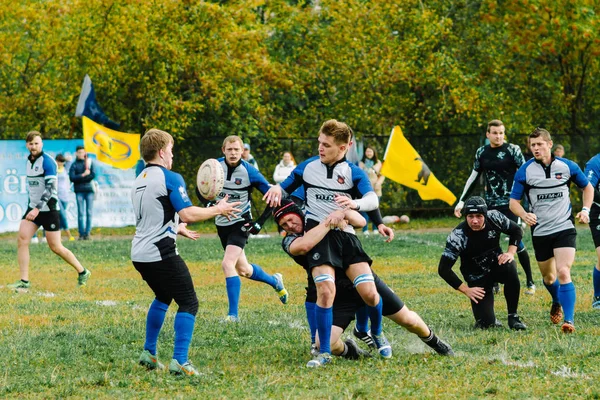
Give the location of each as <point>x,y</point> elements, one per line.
<point>249,158</point>
<point>284,168</point>
<point>372,166</point>
<point>64,187</point>
<point>559,150</point>
<point>82,174</point>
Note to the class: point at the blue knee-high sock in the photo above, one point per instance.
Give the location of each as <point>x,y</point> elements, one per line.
<point>312,319</point>
<point>234,287</point>
<point>362,319</point>
<point>553,290</point>
<point>567,297</point>
<point>154,322</point>
<point>324,318</point>
<point>376,317</point>
<point>596,280</point>
<point>259,275</point>
<point>184,328</point>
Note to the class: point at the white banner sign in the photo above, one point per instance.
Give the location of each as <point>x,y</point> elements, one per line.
<point>112,207</point>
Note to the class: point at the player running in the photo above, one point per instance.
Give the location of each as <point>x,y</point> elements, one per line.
<point>42,210</point>
<point>545,180</point>
<point>240,179</point>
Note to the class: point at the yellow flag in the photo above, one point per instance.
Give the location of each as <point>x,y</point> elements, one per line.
<point>121,150</point>
<point>402,164</point>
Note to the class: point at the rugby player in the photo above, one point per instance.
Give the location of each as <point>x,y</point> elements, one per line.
<point>160,201</point>
<point>545,180</point>
<point>42,210</point>
<point>477,242</point>
<point>498,161</point>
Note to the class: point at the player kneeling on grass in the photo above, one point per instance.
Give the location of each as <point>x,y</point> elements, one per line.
<point>159,202</point>
<point>477,242</point>
<point>347,302</point>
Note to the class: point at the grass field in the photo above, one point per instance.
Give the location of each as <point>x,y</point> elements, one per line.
<point>58,341</point>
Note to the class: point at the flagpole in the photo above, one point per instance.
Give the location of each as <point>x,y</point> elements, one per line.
<point>388,144</point>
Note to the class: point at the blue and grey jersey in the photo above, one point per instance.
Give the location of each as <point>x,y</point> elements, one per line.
<point>239,182</point>
<point>547,189</point>
<point>592,172</point>
<point>42,182</point>
<point>157,196</point>
<point>498,164</point>
<point>322,182</point>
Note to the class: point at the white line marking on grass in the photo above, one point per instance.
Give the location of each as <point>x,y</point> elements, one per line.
<point>295,324</point>
<point>421,241</point>
<point>566,372</point>
<point>106,303</point>
<point>46,294</point>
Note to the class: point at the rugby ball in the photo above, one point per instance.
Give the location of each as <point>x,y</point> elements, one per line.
<point>404,219</point>
<point>391,219</point>
<point>210,179</point>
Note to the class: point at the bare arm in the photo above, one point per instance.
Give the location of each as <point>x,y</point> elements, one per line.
<point>588,198</point>
<point>517,209</point>
<point>196,214</point>
<point>305,243</point>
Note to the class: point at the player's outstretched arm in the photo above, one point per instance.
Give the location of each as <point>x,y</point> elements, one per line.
<point>273,196</point>
<point>471,181</point>
<point>197,214</point>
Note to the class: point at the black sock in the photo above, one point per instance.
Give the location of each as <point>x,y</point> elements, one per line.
<point>523,256</point>
<point>24,281</point>
<point>350,352</point>
<point>83,272</point>
<point>431,340</point>
<point>345,352</point>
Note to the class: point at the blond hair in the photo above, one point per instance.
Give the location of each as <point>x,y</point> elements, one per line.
<point>233,138</point>
<point>153,141</point>
<point>340,131</point>
<point>32,135</point>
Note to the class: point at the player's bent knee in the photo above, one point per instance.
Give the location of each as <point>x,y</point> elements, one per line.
<point>57,248</point>
<point>190,306</point>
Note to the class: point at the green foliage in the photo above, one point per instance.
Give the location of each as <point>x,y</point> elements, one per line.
<point>273,71</point>
<point>59,341</point>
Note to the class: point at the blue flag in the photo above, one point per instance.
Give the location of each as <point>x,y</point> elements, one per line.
<point>89,107</point>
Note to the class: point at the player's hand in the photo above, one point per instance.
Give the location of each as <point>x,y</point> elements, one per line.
<point>583,216</point>
<point>475,293</point>
<point>505,258</point>
<point>185,232</point>
<point>86,172</point>
<point>31,215</point>
<point>345,202</point>
<point>228,209</point>
<point>273,196</point>
<point>337,219</point>
<point>386,232</point>
<point>530,219</point>
<point>458,209</point>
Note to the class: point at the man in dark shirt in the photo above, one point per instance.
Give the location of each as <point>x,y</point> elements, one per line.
<point>498,161</point>
<point>477,242</point>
